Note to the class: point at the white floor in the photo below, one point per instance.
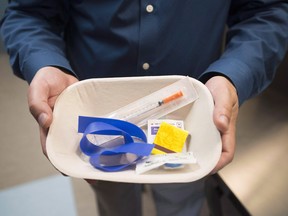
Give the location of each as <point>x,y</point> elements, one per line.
<point>49,196</point>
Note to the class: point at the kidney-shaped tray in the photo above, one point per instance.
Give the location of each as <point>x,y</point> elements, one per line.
<point>98,97</point>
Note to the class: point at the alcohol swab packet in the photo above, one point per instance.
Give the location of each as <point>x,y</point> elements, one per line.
<point>154,161</point>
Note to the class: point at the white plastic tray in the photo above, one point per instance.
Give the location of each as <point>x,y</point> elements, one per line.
<point>97,97</point>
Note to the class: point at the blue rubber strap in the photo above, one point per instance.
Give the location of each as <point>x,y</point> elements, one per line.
<point>123,149</point>
<point>128,127</point>
<point>100,128</point>
<point>105,126</point>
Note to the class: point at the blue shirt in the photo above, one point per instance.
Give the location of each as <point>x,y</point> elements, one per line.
<point>112,38</point>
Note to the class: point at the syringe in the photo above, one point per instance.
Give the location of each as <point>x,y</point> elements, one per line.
<point>138,111</point>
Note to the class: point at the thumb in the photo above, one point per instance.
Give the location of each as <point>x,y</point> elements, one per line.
<point>222,121</point>
<point>223,102</point>
<point>38,104</point>
<point>44,120</point>
<point>222,117</point>
<point>41,112</point>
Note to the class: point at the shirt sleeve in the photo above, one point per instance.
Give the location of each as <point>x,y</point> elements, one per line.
<point>257,39</point>
<point>33,32</point>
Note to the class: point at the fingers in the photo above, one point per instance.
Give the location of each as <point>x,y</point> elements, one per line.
<point>224,95</point>
<point>38,95</point>
<point>90,181</point>
<point>224,116</point>
<point>46,86</point>
<point>43,136</point>
<point>225,158</point>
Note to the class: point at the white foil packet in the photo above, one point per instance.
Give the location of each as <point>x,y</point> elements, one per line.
<point>155,161</point>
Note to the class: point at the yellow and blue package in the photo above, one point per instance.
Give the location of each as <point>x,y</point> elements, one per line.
<point>169,139</point>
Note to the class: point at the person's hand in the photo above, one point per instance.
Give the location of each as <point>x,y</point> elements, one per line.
<point>43,91</point>
<point>224,116</point>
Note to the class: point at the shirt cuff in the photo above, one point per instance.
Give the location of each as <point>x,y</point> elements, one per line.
<point>237,72</point>
<point>37,61</point>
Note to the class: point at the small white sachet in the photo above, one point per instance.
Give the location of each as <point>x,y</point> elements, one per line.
<point>154,161</point>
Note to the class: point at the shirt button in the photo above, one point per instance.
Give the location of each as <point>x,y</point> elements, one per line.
<point>149,8</point>
<point>145,66</point>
